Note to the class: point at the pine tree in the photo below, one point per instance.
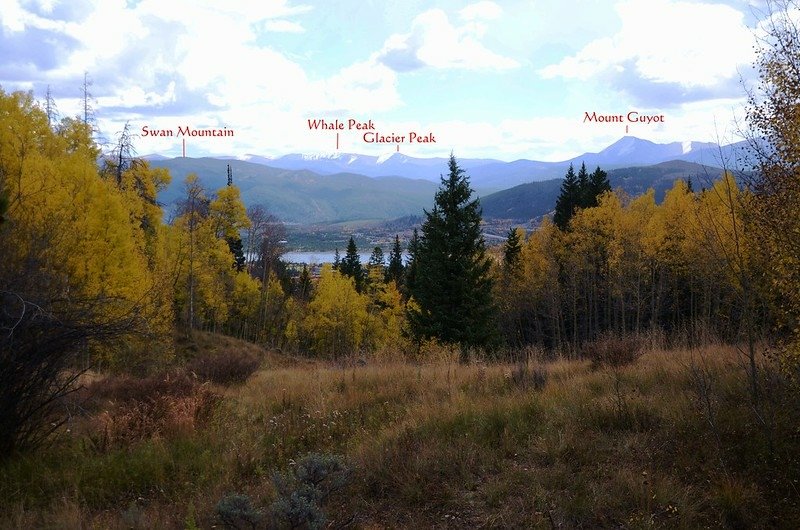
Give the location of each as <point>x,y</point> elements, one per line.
<point>453,288</point>
<point>351,265</point>
<point>598,184</point>
<point>394,272</point>
<point>337,260</point>
<point>567,200</point>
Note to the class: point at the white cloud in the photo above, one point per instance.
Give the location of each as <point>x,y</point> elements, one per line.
<point>283,26</point>
<point>481,10</point>
<point>666,41</point>
<point>433,41</point>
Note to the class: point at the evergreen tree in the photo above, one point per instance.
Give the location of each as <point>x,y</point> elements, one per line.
<point>453,288</point>
<point>584,192</point>
<point>376,258</point>
<point>598,184</point>
<point>568,199</point>
<point>337,260</point>
<point>411,264</point>
<point>304,284</point>
<point>351,265</point>
<point>689,186</point>
<point>395,269</point>
<point>512,249</point>
<point>375,266</point>
<point>235,246</point>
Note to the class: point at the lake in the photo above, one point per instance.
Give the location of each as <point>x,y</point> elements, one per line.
<point>320,257</point>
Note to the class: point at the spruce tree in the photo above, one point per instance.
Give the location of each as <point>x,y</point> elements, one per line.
<point>375,267</point>
<point>598,184</point>
<point>411,264</point>
<point>394,272</point>
<point>235,246</point>
<point>304,284</point>
<point>512,249</point>
<point>351,265</point>
<point>337,260</point>
<point>567,200</point>
<point>453,288</point>
<point>584,193</point>
<point>376,259</point>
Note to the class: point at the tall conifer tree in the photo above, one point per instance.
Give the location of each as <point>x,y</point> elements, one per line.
<point>567,200</point>
<point>351,265</point>
<point>598,184</point>
<point>453,288</point>
<point>395,269</point>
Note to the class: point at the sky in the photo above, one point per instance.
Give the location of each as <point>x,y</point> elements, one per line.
<point>487,79</point>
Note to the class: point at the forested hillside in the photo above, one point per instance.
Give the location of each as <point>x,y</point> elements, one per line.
<point>536,199</point>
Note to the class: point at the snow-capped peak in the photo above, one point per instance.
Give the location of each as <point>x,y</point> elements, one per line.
<point>687,147</point>
<point>383,158</point>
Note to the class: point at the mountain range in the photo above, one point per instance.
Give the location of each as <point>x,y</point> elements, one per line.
<point>345,187</point>
<point>492,175</point>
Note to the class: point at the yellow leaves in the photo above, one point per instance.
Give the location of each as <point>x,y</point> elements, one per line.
<point>228,212</point>
<point>337,316</point>
<point>65,223</point>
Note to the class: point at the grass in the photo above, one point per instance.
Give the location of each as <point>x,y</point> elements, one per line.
<point>655,443</point>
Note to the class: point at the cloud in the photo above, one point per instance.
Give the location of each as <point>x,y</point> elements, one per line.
<point>481,10</point>
<point>435,42</point>
<point>283,26</point>
<point>673,48</point>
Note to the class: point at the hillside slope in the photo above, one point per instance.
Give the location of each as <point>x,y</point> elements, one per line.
<point>535,199</point>
<point>303,196</point>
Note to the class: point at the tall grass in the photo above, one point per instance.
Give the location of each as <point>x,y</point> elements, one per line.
<point>530,444</point>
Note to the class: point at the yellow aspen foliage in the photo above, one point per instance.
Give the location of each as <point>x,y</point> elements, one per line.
<point>669,238</point>
<point>245,297</point>
<point>720,229</point>
<point>337,316</point>
<point>141,184</point>
<point>228,213</point>
<point>386,318</point>
<point>69,232</point>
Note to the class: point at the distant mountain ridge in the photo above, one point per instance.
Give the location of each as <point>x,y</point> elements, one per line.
<point>346,187</point>
<point>492,175</point>
<point>302,196</point>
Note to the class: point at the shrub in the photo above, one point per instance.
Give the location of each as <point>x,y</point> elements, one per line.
<point>303,492</point>
<point>224,368</point>
<point>126,389</point>
<point>39,350</point>
<point>237,511</point>
<point>613,350</point>
<point>156,416</point>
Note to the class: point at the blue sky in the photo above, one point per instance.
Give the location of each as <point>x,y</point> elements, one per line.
<point>501,79</point>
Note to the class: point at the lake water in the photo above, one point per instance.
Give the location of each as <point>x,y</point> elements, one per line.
<point>321,257</point>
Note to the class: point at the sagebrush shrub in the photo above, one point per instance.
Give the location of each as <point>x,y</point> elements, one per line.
<point>303,492</point>
<point>237,511</point>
